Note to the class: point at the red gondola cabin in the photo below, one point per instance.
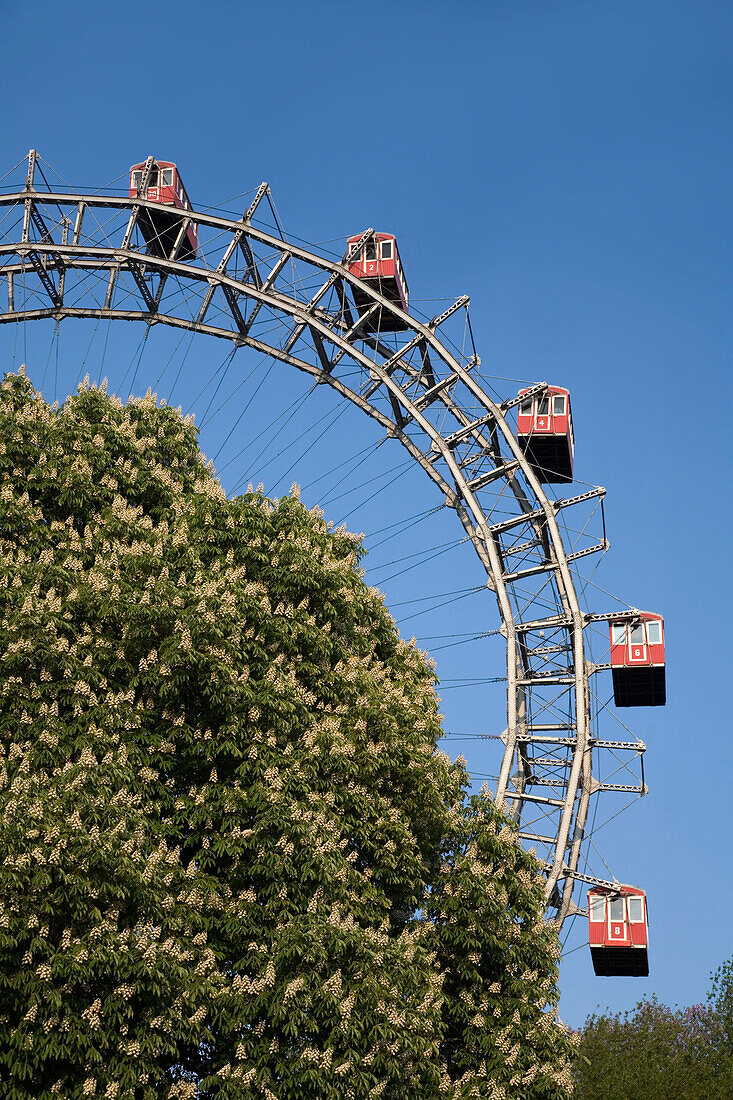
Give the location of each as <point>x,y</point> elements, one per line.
<point>545,434</point>
<point>618,931</point>
<point>377,264</point>
<point>637,661</point>
<point>160,228</point>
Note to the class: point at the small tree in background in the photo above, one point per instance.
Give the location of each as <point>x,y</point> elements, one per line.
<point>657,1052</point>
<point>233,862</point>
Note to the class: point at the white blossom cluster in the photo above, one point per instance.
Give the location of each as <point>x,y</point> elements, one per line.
<point>228,842</point>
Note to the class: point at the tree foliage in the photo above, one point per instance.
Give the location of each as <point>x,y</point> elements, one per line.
<point>656,1052</point>
<point>233,862</point>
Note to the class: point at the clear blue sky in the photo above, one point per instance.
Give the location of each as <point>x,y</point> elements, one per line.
<point>569,166</point>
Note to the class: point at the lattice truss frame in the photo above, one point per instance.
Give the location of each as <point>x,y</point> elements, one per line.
<point>64,254</point>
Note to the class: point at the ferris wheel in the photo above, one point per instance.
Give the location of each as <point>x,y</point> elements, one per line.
<point>499,464</point>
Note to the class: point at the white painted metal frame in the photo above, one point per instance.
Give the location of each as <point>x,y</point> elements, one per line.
<point>421,391</point>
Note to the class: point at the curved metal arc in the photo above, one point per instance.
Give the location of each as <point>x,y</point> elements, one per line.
<point>572,607</point>
<point>295,308</point>
<point>473,519</point>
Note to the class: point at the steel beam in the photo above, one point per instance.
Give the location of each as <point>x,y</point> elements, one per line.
<point>442,377</point>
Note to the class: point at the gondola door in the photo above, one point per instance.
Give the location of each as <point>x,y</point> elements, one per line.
<point>638,648</point>
<point>153,192</point>
<point>369,259</point>
<point>618,928</point>
<point>542,421</point>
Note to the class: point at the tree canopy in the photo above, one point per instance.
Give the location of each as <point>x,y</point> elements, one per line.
<point>233,860</point>
<point>656,1052</point>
